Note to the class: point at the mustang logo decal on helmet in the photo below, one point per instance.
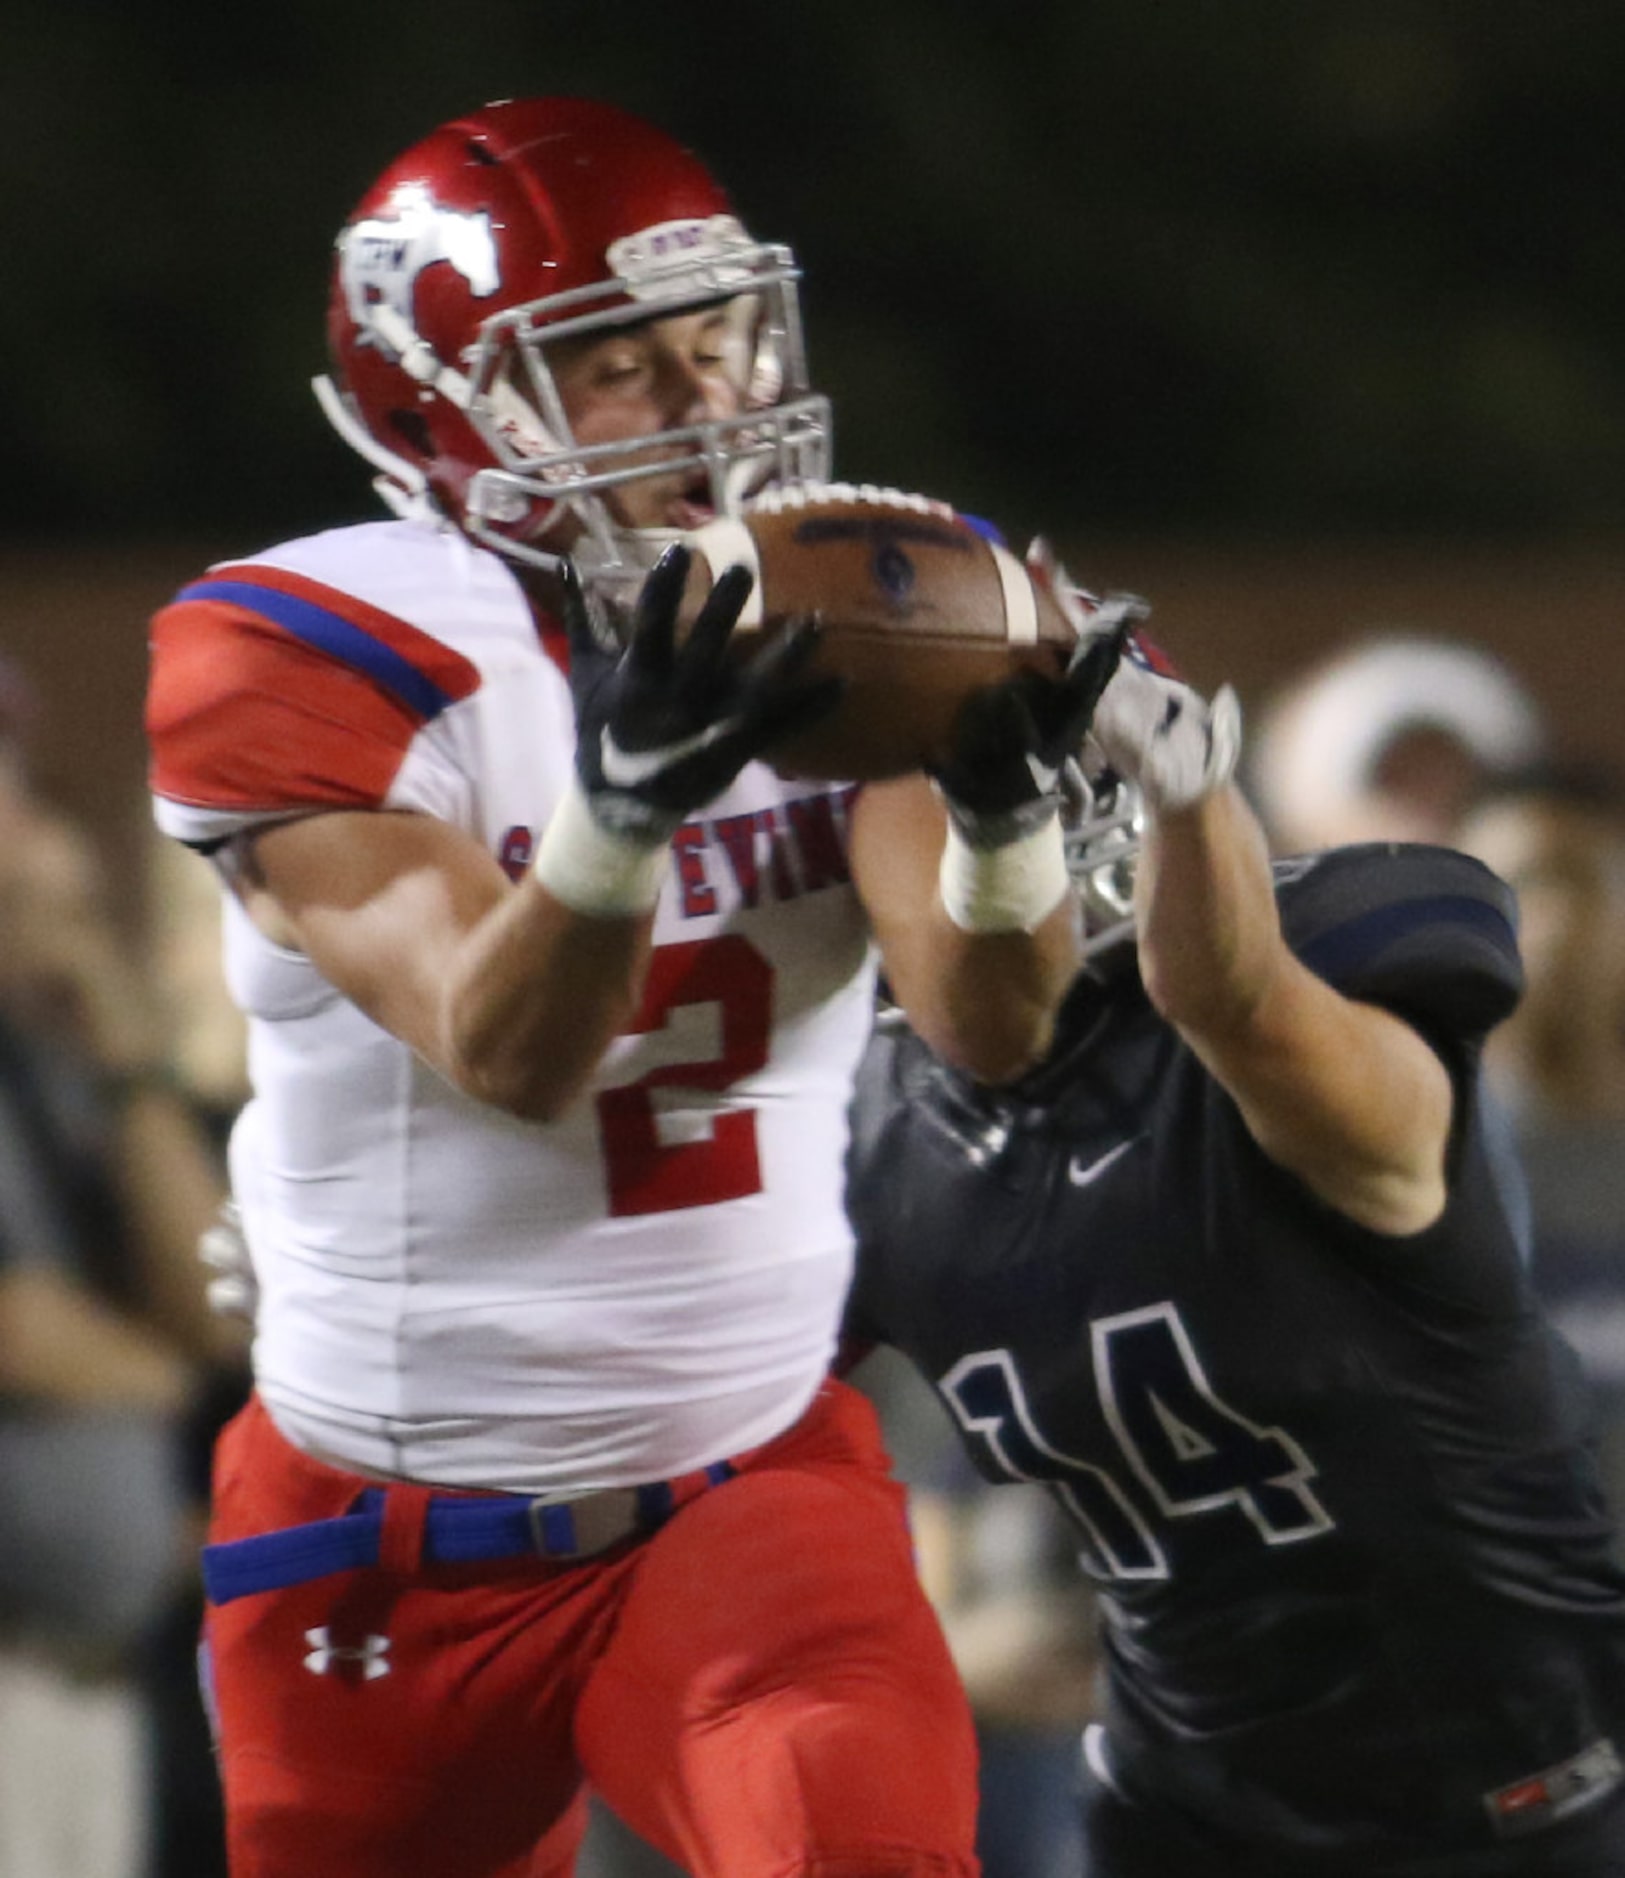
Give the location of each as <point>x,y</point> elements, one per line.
<point>380,258</point>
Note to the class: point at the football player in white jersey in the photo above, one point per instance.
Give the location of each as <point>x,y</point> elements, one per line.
<point>555,995</point>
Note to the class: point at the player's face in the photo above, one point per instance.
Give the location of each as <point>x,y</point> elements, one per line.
<point>660,375</point>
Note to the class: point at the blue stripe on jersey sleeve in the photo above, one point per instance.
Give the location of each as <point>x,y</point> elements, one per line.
<point>1336,954</point>
<point>338,637</point>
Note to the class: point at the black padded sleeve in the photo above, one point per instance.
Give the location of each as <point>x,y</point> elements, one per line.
<point>1427,932</point>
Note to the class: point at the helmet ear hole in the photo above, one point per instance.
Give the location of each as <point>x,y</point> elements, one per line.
<point>414,431</point>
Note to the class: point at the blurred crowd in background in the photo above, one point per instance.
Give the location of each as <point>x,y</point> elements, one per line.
<point>1331,273</point>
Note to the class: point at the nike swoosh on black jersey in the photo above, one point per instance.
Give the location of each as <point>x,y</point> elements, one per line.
<point>1084,1173</point>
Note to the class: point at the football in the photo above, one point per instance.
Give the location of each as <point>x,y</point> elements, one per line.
<point>919,608</point>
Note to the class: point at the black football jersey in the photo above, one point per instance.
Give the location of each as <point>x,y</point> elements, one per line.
<point>1334,1488</point>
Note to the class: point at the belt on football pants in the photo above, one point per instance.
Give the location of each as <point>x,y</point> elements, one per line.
<point>444,1529</point>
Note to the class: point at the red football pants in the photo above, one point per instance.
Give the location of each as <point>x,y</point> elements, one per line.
<point>758,1688</point>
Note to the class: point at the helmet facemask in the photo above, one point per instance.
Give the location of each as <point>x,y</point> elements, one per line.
<point>781,431</point>
<point>1102,828</point>
<point>506,389</point>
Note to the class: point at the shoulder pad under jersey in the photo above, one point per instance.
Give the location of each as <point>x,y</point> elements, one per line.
<point>1426,931</point>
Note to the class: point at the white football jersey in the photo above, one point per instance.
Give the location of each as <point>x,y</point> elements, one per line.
<point>447,1293</point>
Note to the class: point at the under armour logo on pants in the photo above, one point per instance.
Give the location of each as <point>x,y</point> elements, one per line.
<point>371,1655</point>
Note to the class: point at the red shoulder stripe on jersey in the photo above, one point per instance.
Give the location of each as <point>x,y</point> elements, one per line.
<point>242,715</point>
<point>425,675</point>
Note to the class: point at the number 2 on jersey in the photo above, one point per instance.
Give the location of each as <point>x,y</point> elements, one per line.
<point>646,1174</point>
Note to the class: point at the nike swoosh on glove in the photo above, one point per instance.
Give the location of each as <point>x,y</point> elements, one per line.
<point>663,728</point>
<point>1165,737</point>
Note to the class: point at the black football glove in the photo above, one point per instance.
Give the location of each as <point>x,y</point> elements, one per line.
<point>1010,741</point>
<point>662,729</point>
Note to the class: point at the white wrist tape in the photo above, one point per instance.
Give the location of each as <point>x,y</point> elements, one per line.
<point>593,870</point>
<point>1009,889</point>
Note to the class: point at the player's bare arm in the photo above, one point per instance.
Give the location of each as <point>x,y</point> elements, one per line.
<point>964,876</point>
<point>507,992</point>
<point>984,1001</point>
<point>1341,1093</point>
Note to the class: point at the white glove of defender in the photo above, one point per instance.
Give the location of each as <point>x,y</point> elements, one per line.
<point>1154,730</point>
<point>1158,733</point>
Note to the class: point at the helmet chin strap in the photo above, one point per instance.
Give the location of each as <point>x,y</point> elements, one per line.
<point>614,562</point>
<point>743,478</point>
<point>417,358</point>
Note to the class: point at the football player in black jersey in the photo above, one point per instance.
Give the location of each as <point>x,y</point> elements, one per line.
<point>1239,1274</point>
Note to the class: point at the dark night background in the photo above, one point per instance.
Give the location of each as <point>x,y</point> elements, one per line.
<point>1272,265</point>
<point>1259,278</point>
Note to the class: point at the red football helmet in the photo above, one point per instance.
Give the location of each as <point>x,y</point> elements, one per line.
<point>517,225</point>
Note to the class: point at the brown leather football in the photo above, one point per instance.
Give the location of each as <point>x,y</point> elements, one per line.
<point>919,608</point>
